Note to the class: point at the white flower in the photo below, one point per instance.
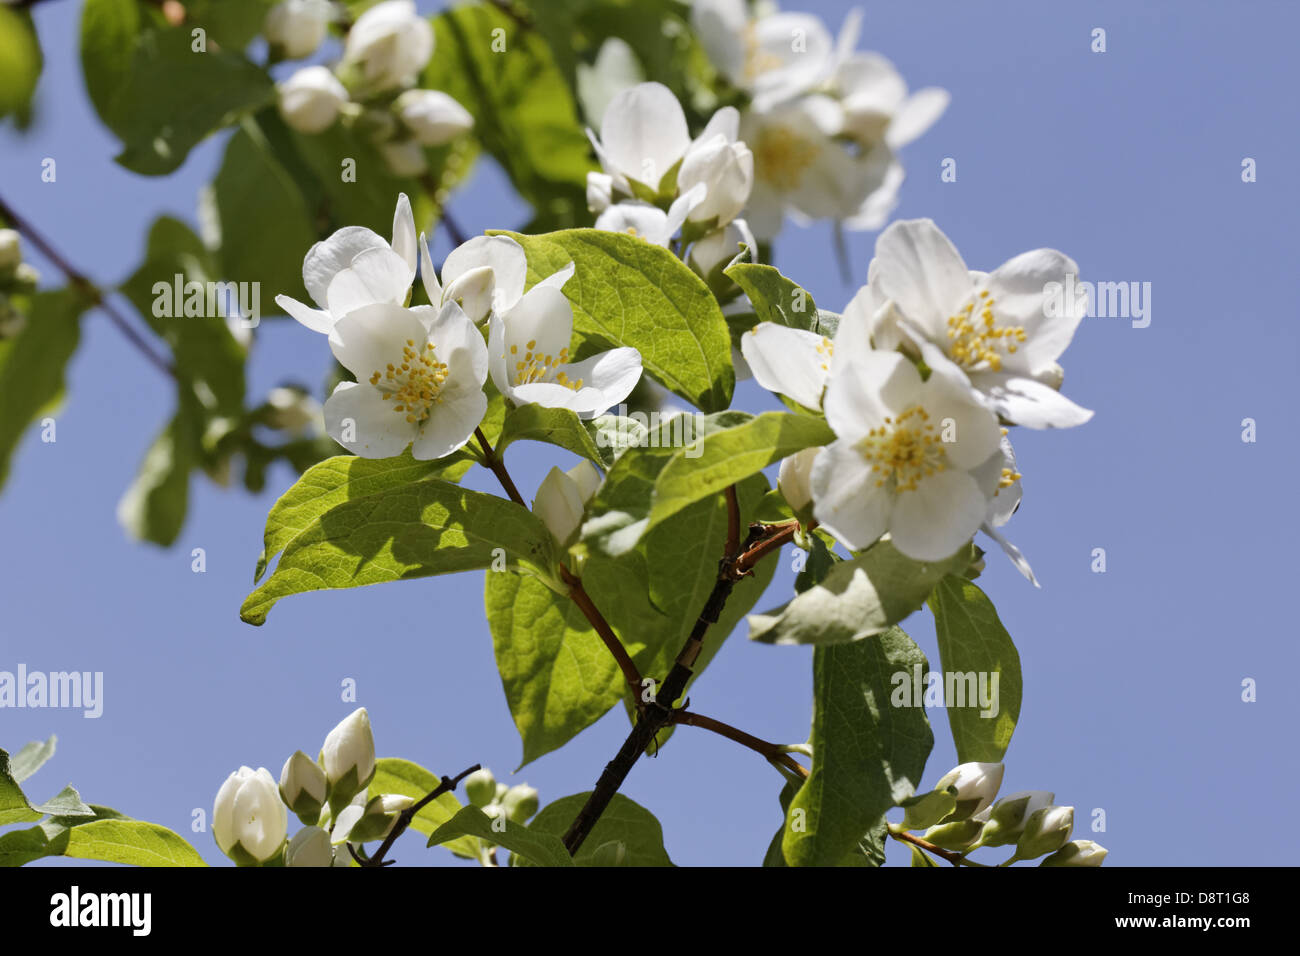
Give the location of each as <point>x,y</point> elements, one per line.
<point>433,117</point>
<point>392,44</point>
<point>248,814</point>
<point>1077,853</point>
<point>902,458</point>
<point>801,167</point>
<point>875,103</point>
<point>1000,482</point>
<point>615,69</point>
<point>420,375</point>
<point>993,328</point>
<point>345,821</point>
<point>529,349</point>
<point>794,362</point>
<point>303,785</point>
<point>723,165</point>
<point>643,135</point>
<point>977,784</point>
<point>349,749</point>
<point>600,191</point>
<point>562,498</point>
<point>773,58</point>
<point>378,815</point>
<point>794,478</point>
<point>311,99</point>
<point>721,246</point>
<point>404,157</point>
<point>355,267</point>
<point>310,846</point>
<point>650,222</point>
<point>483,275</point>
<point>297,27</point>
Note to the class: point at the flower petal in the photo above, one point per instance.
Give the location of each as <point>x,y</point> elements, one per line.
<point>644,132</point>
<point>862,393</point>
<point>404,232</point>
<point>793,362</point>
<point>846,499</point>
<point>315,319</point>
<point>450,425</point>
<point>376,275</point>
<point>932,521</point>
<point>921,270</point>
<point>1029,403</point>
<point>428,276</point>
<point>504,255</point>
<point>366,340</point>
<point>328,258</point>
<point>376,430</point>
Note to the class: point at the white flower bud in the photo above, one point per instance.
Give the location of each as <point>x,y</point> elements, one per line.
<point>719,247</point>
<point>481,788</point>
<point>977,784</point>
<point>303,785</point>
<point>1006,818</point>
<point>248,820</point>
<point>433,117</point>
<point>1077,853</point>
<point>520,803</point>
<point>311,99</point>
<point>404,157</point>
<point>794,477</point>
<point>600,192</point>
<point>563,496</point>
<point>297,27</point>
<point>392,44</point>
<point>11,252</point>
<point>727,171</point>
<point>293,410</point>
<point>377,817</point>
<point>348,757</point>
<point>473,291</point>
<point>1046,830</point>
<point>310,846</point>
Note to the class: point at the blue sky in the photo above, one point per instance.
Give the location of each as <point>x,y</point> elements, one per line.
<point>1128,160</point>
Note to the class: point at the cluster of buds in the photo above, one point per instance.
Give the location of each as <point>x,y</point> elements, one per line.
<point>16,278</point>
<point>374,85</point>
<point>962,814</point>
<point>329,795</point>
<point>517,804</point>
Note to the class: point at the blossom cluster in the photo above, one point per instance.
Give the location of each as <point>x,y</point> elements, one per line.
<point>374,84</point>
<point>929,362</point>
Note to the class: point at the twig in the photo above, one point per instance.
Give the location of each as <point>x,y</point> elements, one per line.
<point>771,751</point>
<point>88,290</point>
<point>498,467</point>
<point>952,856</point>
<point>581,598</point>
<point>447,785</point>
<point>733,521</point>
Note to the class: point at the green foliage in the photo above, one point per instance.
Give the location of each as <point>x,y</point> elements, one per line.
<point>867,754</point>
<point>409,531</point>
<point>555,426</point>
<point>774,297</point>
<point>624,820</point>
<point>20,64</point>
<point>32,365</point>
<point>542,848</point>
<point>857,598</point>
<point>971,638</point>
<point>407,779</point>
<point>627,291</point>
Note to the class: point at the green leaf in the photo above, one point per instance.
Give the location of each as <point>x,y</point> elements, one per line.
<point>542,848</point>
<point>264,222</point>
<point>337,480</point>
<point>921,858</point>
<point>109,30</point>
<point>556,426</point>
<point>774,297</point>
<point>32,757</point>
<point>557,674</point>
<point>154,506</point>
<point>856,599</point>
<point>867,753</point>
<point>231,24</point>
<point>20,63</point>
<point>415,530</point>
<point>133,842</point>
<point>66,803</point>
<point>32,365</point>
<point>973,640</point>
<point>730,455</point>
<point>16,808</point>
<point>624,820</point>
<point>174,97</point>
<point>627,291</point>
<point>407,779</point>
<point>48,838</point>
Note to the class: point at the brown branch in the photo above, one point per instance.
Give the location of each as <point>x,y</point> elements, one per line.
<point>447,785</point>
<point>771,751</point>
<point>952,856</point>
<point>85,287</point>
<point>581,598</point>
<point>498,467</point>
<point>733,522</point>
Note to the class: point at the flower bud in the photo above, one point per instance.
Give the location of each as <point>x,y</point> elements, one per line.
<point>613,853</point>
<point>433,117</point>
<point>249,822</point>
<point>404,157</point>
<point>1007,817</point>
<point>1077,853</point>
<point>600,192</point>
<point>562,498</point>
<point>311,99</point>
<point>976,783</point>
<point>519,803</point>
<point>502,790</point>
<point>793,481</point>
<point>348,757</point>
<point>1045,830</point>
<point>303,787</point>
<point>481,788</point>
<point>727,171</point>
<point>25,277</point>
<point>954,836</point>
<point>310,846</point>
<point>292,410</point>
<point>11,252</point>
<point>391,42</point>
<point>296,27</point>
<point>473,290</point>
<point>377,817</point>
<point>718,248</point>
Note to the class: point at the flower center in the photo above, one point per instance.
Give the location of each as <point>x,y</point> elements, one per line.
<point>826,351</point>
<point>902,451</point>
<point>781,156</point>
<point>974,340</point>
<point>414,385</point>
<point>757,60</point>
<point>536,367</point>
